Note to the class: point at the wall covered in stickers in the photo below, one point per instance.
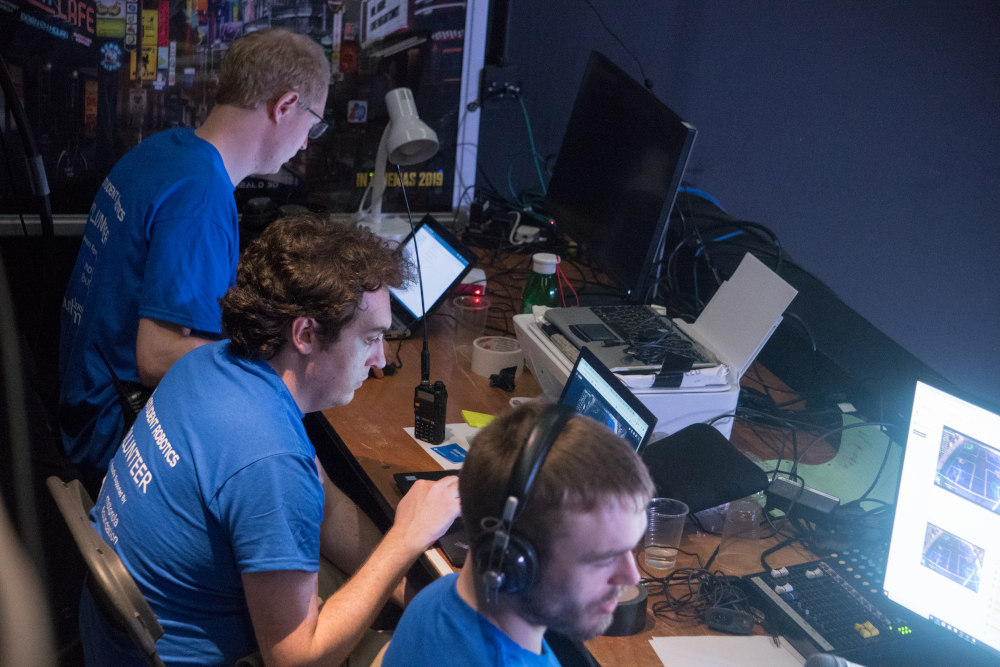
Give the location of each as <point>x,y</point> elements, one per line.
<point>98,76</point>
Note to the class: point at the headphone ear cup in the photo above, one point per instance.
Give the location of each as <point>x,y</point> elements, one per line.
<point>520,568</point>
<point>505,561</point>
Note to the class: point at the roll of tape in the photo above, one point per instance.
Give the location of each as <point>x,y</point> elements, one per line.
<point>630,614</point>
<point>492,354</point>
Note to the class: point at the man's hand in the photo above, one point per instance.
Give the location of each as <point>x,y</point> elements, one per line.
<point>425,513</point>
<point>290,626</point>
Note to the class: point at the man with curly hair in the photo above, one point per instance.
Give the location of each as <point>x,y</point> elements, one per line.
<point>162,239</point>
<point>215,500</point>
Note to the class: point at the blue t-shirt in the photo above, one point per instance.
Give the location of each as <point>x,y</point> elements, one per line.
<point>161,241</point>
<point>216,478</point>
<point>439,627</point>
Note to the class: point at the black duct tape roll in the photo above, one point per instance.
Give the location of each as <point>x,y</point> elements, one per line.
<point>630,614</point>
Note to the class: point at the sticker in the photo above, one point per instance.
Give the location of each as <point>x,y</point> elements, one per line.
<point>453,452</point>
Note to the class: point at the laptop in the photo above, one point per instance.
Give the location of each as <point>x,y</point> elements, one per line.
<point>944,550</point>
<point>631,338</point>
<point>592,390</point>
<point>933,599</point>
<point>444,261</point>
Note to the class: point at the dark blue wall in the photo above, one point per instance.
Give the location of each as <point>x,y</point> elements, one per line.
<point>866,135</point>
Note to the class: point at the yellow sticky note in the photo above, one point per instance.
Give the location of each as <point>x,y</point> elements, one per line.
<point>476,419</point>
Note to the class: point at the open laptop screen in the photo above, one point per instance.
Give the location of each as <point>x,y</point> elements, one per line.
<point>444,261</point>
<point>944,555</point>
<point>592,390</point>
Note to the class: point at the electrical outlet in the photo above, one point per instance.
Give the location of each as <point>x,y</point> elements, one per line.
<point>499,82</point>
<point>526,234</point>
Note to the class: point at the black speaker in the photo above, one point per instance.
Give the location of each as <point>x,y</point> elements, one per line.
<point>505,560</point>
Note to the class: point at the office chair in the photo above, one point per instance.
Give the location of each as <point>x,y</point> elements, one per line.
<point>115,591</point>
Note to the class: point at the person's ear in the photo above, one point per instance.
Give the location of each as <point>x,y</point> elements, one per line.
<point>284,105</point>
<point>302,334</point>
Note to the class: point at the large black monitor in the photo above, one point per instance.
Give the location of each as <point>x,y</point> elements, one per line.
<point>616,176</point>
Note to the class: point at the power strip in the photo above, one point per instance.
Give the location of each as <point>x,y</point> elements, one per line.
<point>783,494</point>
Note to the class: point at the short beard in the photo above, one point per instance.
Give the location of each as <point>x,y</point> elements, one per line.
<point>568,620</point>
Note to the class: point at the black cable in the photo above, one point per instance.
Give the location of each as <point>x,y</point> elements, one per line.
<point>36,169</point>
<point>10,176</point>
<point>425,354</point>
<point>645,80</point>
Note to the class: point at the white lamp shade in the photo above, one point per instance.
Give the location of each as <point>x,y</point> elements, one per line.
<point>409,140</point>
<point>406,140</point>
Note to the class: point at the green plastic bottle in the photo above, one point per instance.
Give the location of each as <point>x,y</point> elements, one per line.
<point>542,288</point>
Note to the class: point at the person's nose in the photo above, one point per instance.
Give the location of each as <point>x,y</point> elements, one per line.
<point>627,572</point>
<point>377,358</point>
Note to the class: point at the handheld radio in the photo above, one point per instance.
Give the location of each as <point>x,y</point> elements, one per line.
<point>430,401</point>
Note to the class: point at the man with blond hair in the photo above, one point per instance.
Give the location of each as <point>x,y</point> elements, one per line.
<point>162,240</point>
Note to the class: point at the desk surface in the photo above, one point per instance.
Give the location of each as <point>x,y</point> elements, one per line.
<point>371,427</point>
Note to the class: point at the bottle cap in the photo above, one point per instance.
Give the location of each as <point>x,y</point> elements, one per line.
<point>545,262</point>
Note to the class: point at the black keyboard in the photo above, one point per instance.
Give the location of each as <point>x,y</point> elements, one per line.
<point>651,337</point>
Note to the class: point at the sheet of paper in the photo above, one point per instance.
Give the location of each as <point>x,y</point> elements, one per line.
<point>853,469</point>
<point>455,435</point>
<point>720,651</point>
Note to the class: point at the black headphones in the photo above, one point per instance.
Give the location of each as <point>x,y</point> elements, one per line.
<point>506,561</point>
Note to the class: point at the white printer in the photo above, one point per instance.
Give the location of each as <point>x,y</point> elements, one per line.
<point>734,326</point>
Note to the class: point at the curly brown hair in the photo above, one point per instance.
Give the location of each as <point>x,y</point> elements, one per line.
<point>304,265</point>
<point>264,65</point>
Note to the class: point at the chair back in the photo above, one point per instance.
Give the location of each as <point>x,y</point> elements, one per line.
<point>115,591</point>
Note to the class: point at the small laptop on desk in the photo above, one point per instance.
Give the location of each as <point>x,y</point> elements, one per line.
<point>444,261</point>
<point>630,338</point>
<point>592,390</point>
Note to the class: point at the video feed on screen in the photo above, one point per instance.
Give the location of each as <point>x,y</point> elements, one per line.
<point>952,557</point>
<point>970,469</point>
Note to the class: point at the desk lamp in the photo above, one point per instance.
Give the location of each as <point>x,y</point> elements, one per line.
<point>406,140</point>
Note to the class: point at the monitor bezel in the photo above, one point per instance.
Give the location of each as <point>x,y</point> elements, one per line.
<point>633,401</point>
<point>574,169</point>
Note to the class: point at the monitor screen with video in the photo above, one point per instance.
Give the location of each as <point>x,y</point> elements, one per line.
<point>944,555</point>
<point>594,391</point>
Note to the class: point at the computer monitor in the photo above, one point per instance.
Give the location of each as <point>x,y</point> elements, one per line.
<point>944,554</point>
<point>616,176</point>
<point>594,391</point>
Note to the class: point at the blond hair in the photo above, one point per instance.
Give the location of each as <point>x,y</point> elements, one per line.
<point>264,65</point>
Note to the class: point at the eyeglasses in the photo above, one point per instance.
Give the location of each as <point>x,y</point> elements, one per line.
<point>317,130</point>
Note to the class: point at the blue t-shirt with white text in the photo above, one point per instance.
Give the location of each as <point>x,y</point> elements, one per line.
<point>217,478</point>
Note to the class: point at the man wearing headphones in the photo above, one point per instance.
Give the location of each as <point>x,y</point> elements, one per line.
<point>554,504</point>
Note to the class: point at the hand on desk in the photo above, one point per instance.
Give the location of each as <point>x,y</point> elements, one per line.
<point>426,512</point>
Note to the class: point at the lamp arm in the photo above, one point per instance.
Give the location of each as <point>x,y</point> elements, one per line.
<point>378,180</point>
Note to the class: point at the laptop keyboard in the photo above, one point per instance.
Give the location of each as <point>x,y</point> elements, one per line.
<point>651,337</point>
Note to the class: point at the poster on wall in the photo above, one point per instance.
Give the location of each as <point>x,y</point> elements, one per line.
<point>96,77</point>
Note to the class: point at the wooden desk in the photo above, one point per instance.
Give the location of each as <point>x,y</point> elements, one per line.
<point>371,429</point>
<point>371,426</point>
